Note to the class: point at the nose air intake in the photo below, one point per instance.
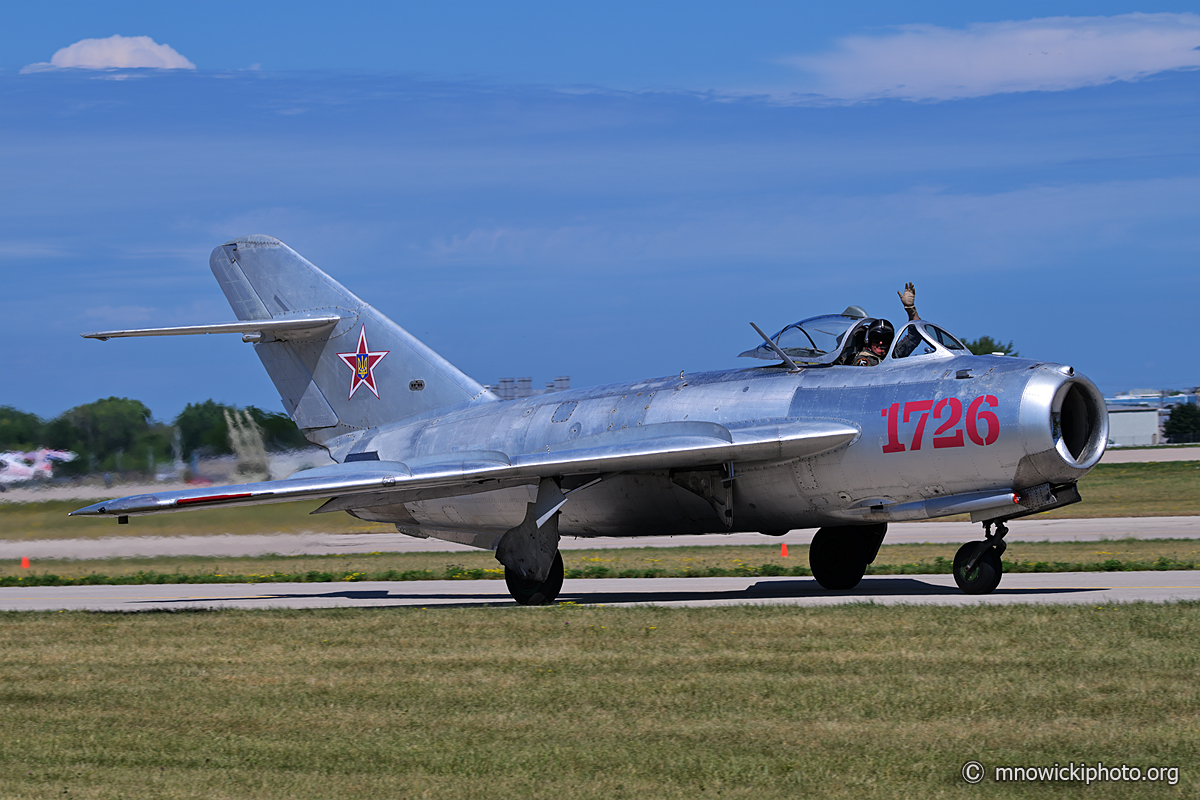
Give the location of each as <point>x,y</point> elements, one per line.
<point>1064,427</point>
<point>1082,423</point>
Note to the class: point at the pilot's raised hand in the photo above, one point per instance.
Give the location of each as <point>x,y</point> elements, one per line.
<point>909,298</point>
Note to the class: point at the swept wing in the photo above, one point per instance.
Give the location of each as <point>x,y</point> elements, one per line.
<point>663,445</point>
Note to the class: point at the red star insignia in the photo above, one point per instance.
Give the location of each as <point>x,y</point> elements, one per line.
<point>362,364</point>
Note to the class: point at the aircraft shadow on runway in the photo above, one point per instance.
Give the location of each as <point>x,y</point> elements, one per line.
<point>762,590</point>
<point>771,590</point>
<point>499,598</point>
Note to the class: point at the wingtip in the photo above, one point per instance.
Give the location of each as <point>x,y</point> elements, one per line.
<point>94,510</point>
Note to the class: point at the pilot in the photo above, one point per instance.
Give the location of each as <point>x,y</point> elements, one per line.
<point>881,332</point>
<point>879,339</point>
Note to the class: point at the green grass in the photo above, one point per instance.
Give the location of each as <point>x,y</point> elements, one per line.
<point>713,561</point>
<point>1158,489</point>
<point>593,702</point>
<point>1110,490</point>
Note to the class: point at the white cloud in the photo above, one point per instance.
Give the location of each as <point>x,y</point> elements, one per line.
<point>925,62</point>
<point>115,52</point>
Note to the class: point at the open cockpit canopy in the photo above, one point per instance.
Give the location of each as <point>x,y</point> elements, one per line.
<point>818,340</point>
<point>836,338</point>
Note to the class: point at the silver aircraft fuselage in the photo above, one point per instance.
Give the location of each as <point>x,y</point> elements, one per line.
<point>939,434</point>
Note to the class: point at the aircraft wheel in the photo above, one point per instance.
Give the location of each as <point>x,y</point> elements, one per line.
<point>836,559</point>
<point>536,593</point>
<point>985,577</point>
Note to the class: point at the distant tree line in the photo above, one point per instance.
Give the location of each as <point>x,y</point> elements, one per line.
<point>986,345</point>
<point>118,434</point>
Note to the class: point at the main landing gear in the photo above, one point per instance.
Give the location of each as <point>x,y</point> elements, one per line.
<point>533,567</point>
<point>977,566</point>
<point>839,555</point>
<point>529,592</point>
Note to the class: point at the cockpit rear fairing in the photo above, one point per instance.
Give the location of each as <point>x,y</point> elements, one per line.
<point>922,338</point>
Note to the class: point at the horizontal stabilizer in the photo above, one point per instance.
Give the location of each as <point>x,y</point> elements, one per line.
<point>671,445</point>
<point>285,328</point>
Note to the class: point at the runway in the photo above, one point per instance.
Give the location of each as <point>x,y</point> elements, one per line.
<point>1024,588</point>
<point>336,544</point>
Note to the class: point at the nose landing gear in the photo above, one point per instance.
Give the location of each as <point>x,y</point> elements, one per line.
<point>977,565</point>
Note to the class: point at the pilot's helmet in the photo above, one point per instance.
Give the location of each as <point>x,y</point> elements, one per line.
<point>881,331</point>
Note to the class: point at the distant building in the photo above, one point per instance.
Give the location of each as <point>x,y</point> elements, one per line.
<point>1137,417</point>
<point>512,389</point>
<point>1153,398</point>
<point>1133,425</point>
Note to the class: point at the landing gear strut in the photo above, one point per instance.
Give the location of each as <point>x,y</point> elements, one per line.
<point>533,567</point>
<point>977,565</point>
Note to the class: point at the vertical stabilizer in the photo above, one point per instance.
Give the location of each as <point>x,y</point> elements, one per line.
<point>365,372</point>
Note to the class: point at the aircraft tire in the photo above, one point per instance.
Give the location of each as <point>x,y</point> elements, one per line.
<point>836,559</point>
<point>987,573</point>
<point>534,593</point>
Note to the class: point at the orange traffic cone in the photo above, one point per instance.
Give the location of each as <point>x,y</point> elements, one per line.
<point>24,562</point>
<point>783,550</point>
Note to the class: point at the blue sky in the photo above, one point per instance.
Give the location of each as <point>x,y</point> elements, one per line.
<point>608,191</point>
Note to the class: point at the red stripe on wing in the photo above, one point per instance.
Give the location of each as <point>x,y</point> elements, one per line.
<point>212,498</point>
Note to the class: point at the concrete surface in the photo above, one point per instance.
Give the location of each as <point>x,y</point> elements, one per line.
<point>1122,456</point>
<point>1025,588</point>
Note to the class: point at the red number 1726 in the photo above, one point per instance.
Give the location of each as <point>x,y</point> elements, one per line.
<point>948,433</point>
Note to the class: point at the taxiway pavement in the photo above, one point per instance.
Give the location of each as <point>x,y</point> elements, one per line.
<point>1026,588</point>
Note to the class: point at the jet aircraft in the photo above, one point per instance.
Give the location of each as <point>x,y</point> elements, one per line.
<point>38,465</point>
<point>802,441</point>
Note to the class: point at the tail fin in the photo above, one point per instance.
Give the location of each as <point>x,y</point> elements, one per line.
<point>363,372</point>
